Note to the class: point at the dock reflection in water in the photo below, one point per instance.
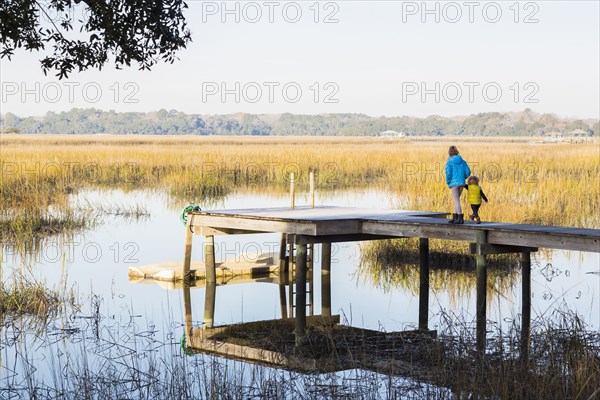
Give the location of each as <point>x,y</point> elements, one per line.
<point>328,345</point>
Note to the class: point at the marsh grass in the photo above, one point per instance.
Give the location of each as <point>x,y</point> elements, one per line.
<point>24,231</point>
<point>30,223</point>
<point>526,183</point>
<point>21,296</point>
<point>564,360</point>
<point>97,209</point>
<point>394,263</point>
<point>94,355</point>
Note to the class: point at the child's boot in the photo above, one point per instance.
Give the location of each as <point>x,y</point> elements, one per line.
<point>478,220</point>
<point>472,217</point>
<point>454,219</point>
<point>460,219</point>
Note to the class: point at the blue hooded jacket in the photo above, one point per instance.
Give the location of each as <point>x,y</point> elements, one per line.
<point>457,171</point>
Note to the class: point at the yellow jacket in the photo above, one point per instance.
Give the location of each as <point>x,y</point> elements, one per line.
<point>475,194</point>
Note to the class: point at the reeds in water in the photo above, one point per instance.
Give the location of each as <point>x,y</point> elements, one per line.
<point>88,354</point>
<point>21,296</point>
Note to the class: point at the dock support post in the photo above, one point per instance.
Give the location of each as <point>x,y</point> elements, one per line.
<point>300,292</point>
<point>187,306</point>
<point>209,259</point>
<point>326,279</point>
<point>282,275</point>
<point>525,304</point>
<point>291,268</point>
<point>187,258</point>
<point>282,249</point>
<point>481,238</point>
<point>423,283</point>
<point>282,299</point>
<point>211,281</point>
<point>310,273</point>
<point>209,304</point>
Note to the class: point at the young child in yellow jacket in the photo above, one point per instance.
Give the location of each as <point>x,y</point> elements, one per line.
<point>474,196</point>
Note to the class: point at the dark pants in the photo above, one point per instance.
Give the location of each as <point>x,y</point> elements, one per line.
<point>475,208</point>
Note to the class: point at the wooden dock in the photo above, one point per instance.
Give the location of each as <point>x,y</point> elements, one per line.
<point>302,227</point>
<point>341,224</point>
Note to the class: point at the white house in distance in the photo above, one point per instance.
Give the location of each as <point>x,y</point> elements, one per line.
<point>578,136</point>
<point>575,136</point>
<point>577,133</point>
<point>554,136</point>
<point>390,134</point>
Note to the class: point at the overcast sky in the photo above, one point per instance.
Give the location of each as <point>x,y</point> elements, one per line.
<point>373,57</point>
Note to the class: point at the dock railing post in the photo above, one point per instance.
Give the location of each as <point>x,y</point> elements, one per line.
<point>481,238</point>
<point>312,189</point>
<point>300,291</point>
<point>525,304</point>
<point>292,191</point>
<point>423,283</point>
<point>326,279</point>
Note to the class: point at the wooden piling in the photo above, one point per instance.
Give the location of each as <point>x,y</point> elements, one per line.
<point>187,304</point>
<point>187,258</point>
<point>283,300</point>
<point>423,283</point>
<point>209,259</point>
<point>326,279</point>
<point>290,280</point>
<point>283,275</point>
<point>209,304</point>
<point>282,249</point>
<point>300,292</point>
<point>291,267</point>
<point>211,281</point>
<point>481,238</point>
<point>525,304</point>
<point>310,254</point>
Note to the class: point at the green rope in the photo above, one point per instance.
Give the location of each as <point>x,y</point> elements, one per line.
<point>186,350</point>
<point>186,210</point>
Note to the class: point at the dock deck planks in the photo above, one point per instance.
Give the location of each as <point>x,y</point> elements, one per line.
<point>328,223</point>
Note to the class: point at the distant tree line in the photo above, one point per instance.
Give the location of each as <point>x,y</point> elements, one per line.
<point>163,122</point>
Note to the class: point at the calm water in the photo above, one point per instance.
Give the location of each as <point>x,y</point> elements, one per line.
<point>94,265</point>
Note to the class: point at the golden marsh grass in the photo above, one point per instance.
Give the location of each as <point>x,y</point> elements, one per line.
<point>526,183</point>
<point>394,264</point>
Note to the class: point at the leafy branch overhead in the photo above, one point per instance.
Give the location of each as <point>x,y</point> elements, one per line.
<point>88,33</point>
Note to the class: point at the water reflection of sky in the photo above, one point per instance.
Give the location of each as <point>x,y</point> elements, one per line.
<point>97,261</point>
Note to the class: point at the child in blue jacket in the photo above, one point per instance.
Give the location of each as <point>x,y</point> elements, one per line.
<point>457,170</point>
